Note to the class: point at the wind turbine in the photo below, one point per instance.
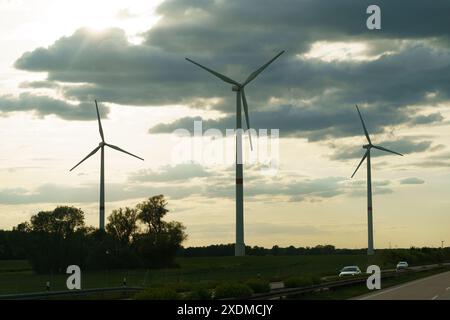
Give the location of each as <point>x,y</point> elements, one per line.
<point>101,147</point>
<point>368,147</point>
<point>239,88</point>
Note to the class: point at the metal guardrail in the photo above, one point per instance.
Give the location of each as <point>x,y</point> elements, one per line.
<point>68,293</point>
<point>279,293</point>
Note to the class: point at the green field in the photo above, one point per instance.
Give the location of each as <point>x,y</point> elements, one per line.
<point>17,276</point>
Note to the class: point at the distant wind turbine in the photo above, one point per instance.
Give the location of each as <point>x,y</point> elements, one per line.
<point>101,147</point>
<point>240,96</point>
<point>368,147</point>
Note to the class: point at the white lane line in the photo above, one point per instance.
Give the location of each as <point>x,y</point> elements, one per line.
<point>401,286</point>
<point>435,297</point>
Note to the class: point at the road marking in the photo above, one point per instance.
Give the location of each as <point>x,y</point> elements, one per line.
<point>448,288</point>
<point>401,286</point>
<point>435,297</point>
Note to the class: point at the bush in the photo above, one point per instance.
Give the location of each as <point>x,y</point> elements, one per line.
<point>232,290</point>
<point>296,282</point>
<point>199,294</point>
<point>181,286</point>
<point>258,285</point>
<point>316,280</point>
<point>157,294</point>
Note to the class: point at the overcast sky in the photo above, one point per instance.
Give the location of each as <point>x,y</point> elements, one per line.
<point>58,56</point>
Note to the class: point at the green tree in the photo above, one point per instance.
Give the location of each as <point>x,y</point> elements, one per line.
<point>23,227</point>
<point>158,246</point>
<point>122,225</point>
<point>56,239</point>
<point>63,221</point>
<point>151,212</point>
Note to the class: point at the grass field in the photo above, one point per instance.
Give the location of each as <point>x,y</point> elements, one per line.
<point>17,276</point>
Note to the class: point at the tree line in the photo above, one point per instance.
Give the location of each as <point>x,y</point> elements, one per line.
<point>133,238</point>
<point>228,250</point>
<point>413,255</point>
<point>140,238</point>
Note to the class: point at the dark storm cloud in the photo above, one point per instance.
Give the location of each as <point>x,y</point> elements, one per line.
<point>116,71</point>
<point>235,37</point>
<point>112,69</point>
<point>434,117</point>
<point>189,25</point>
<point>44,105</point>
<point>314,123</point>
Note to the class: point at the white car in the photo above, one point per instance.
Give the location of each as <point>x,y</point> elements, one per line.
<point>402,265</point>
<point>350,271</point>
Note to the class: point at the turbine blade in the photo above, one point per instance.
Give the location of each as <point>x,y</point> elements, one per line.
<point>362,160</point>
<point>87,157</point>
<point>258,71</point>
<point>364,126</point>
<point>218,75</point>
<point>121,150</point>
<point>387,150</point>
<point>100,128</point>
<point>247,117</point>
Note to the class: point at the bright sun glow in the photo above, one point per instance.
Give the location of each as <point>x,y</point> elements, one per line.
<point>132,16</point>
<point>339,51</point>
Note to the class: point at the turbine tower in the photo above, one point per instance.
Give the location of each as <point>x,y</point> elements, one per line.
<point>368,148</point>
<point>101,147</point>
<point>239,88</point>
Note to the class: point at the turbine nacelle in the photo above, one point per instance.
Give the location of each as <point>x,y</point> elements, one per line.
<point>368,147</point>
<point>103,144</point>
<point>239,87</point>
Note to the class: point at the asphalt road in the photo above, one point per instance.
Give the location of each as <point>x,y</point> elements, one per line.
<point>436,287</point>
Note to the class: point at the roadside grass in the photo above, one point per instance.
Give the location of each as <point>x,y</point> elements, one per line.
<point>14,266</point>
<point>17,276</point>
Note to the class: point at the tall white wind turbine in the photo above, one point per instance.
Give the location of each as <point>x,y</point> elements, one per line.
<point>240,96</point>
<point>368,148</point>
<point>101,147</point>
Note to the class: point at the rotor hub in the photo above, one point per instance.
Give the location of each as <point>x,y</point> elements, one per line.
<point>367,146</point>
<point>101,144</point>
<point>236,88</point>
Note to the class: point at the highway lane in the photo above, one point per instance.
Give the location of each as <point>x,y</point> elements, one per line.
<point>436,287</point>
